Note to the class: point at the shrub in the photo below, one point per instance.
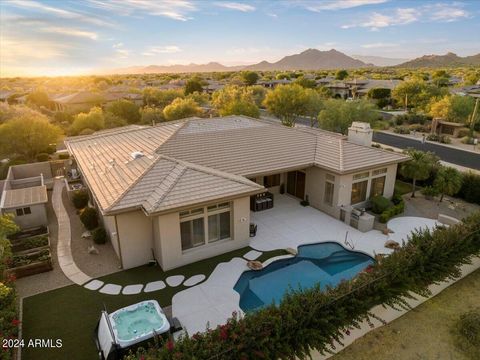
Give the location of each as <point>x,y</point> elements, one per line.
<point>401,130</point>
<point>463,132</point>
<point>89,219</point>
<point>80,199</point>
<point>43,157</point>
<point>470,190</point>
<point>433,137</point>
<point>99,236</point>
<point>325,315</point>
<point>444,139</point>
<point>392,211</point>
<point>63,156</point>
<point>411,119</point>
<point>380,204</point>
<point>467,334</point>
<point>418,128</point>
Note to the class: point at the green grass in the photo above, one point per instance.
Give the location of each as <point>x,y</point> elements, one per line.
<point>71,313</point>
<point>403,187</point>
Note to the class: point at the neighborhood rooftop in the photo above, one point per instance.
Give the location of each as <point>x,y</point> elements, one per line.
<point>123,167</point>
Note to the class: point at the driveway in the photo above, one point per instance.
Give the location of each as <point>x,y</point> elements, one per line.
<point>454,156</point>
<point>288,224</point>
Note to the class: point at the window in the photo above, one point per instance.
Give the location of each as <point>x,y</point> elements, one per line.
<point>377,186</point>
<point>379,171</point>
<point>359,192</point>
<point>192,233</point>
<point>329,189</point>
<point>23,211</point>
<point>205,225</point>
<point>360,176</point>
<point>271,180</point>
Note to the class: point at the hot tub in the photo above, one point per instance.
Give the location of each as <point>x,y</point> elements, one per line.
<point>129,326</point>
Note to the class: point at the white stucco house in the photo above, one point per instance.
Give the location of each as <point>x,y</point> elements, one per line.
<point>182,191</point>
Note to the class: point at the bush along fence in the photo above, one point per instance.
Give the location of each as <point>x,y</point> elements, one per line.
<point>313,319</point>
<point>8,308</point>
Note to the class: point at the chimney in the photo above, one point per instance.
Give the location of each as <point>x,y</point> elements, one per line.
<point>360,133</point>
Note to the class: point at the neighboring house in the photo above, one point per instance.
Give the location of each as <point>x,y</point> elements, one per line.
<point>25,197</point>
<point>78,102</point>
<point>180,191</point>
<point>271,84</point>
<point>441,126</point>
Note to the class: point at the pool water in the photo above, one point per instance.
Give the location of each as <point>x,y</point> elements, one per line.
<point>130,324</point>
<point>326,264</point>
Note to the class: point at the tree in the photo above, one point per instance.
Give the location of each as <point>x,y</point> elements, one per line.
<point>416,93</point>
<point>380,95</point>
<point>338,115</point>
<point>180,109</point>
<point>39,98</point>
<point>287,102</point>
<point>324,92</point>
<point>193,85</point>
<point>448,181</point>
<point>313,105</point>
<point>341,74</point>
<point>125,109</point>
<point>419,167</point>
<point>113,121</point>
<point>453,108</point>
<point>93,120</point>
<point>305,83</point>
<point>250,77</point>
<point>199,98</point>
<point>160,98</point>
<point>235,100</point>
<point>151,115</point>
<point>258,93</point>
<point>27,135</point>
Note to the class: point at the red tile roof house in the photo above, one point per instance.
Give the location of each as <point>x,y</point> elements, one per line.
<point>181,190</point>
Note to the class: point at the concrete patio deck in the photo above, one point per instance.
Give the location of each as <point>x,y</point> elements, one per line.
<point>288,224</point>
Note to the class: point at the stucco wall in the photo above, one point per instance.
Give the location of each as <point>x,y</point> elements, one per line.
<point>38,217</point>
<point>32,170</point>
<point>109,224</point>
<point>315,189</point>
<point>169,253</point>
<point>136,238</point>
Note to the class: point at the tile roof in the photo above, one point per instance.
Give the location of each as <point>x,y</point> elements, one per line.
<point>15,198</point>
<point>193,160</point>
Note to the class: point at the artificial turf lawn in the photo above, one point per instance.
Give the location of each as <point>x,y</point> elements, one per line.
<point>71,313</point>
<point>403,187</point>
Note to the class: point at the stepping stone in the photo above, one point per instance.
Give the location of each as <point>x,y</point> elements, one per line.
<point>175,280</point>
<point>252,255</point>
<point>94,285</point>
<point>154,286</point>
<point>132,289</point>
<point>194,280</point>
<point>111,289</point>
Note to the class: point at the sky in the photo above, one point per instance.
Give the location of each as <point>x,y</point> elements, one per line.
<point>62,37</point>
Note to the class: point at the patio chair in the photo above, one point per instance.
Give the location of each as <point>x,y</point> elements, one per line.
<point>253,230</point>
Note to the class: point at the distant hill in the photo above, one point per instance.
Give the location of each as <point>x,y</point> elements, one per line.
<point>379,60</point>
<point>190,68</point>
<point>311,59</point>
<point>448,60</point>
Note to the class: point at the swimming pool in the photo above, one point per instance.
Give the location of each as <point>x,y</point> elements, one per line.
<point>326,263</point>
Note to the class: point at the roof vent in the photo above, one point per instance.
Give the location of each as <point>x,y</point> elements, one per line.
<point>136,155</point>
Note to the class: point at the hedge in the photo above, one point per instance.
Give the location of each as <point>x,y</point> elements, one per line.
<point>470,190</point>
<point>80,199</point>
<point>89,218</point>
<point>399,208</point>
<point>380,204</point>
<point>313,319</point>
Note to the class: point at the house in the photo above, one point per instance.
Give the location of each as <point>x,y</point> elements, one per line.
<point>180,191</point>
<point>77,102</point>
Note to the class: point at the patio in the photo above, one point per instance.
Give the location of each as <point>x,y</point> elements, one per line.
<point>288,224</point>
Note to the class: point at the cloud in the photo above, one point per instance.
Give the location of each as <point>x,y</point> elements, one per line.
<point>117,45</point>
<point>323,5</point>
<point>156,50</point>
<point>272,15</point>
<point>236,6</point>
<point>70,32</point>
<point>122,53</point>
<point>173,9</point>
<point>379,45</point>
<point>62,13</point>
<point>401,16</point>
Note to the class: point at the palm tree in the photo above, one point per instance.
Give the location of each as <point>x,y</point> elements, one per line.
<point>448,181</point>
<point>419,167</point>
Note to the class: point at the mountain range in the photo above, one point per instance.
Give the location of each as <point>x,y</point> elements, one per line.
<point>310,59</point>
<point>447,60</point>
